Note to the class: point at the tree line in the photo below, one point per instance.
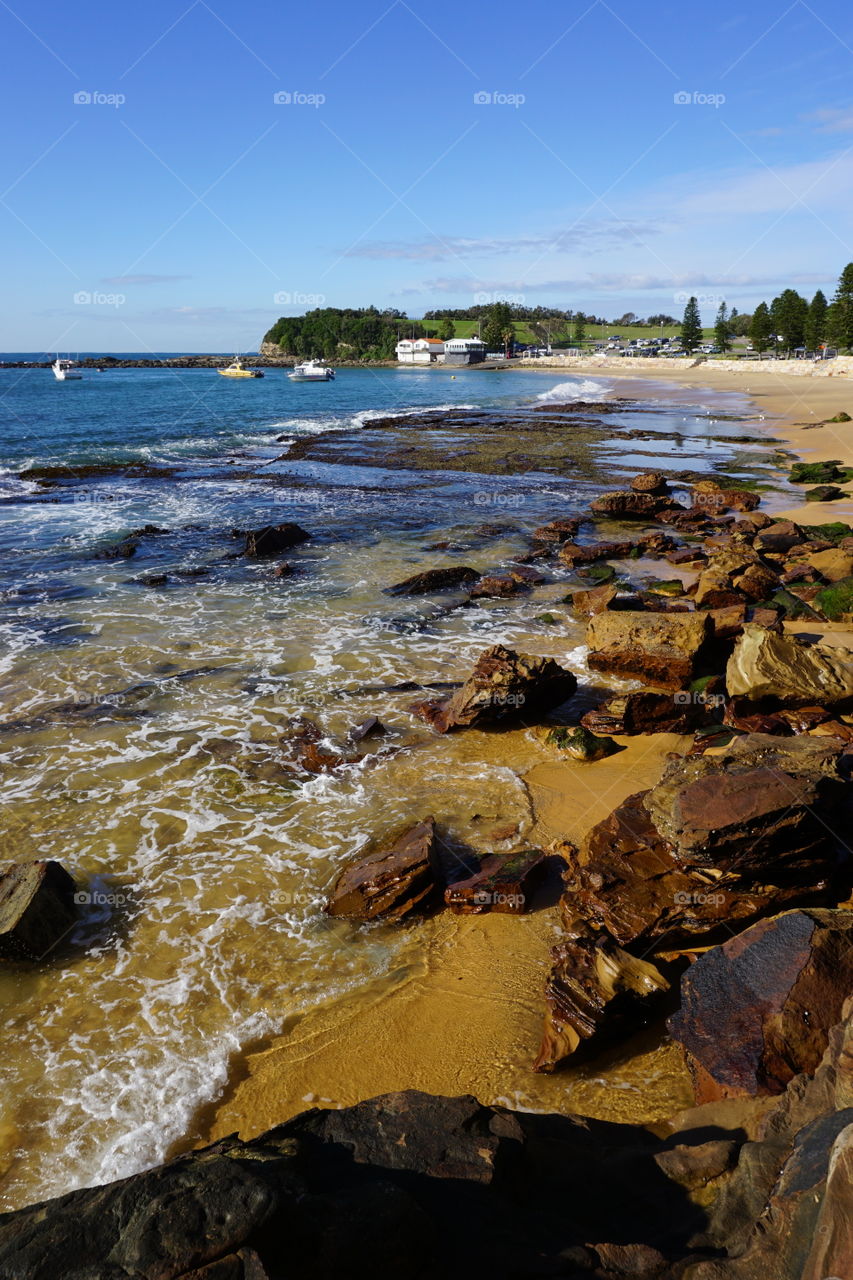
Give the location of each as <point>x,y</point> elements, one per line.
<point>790,322</point>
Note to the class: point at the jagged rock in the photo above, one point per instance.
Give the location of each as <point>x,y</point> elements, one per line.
<point>503,884</point>
<point>721,839</point>
<point>751,717</point>
<point>709,496</point>
<point>303,749</point>
<point>629,505</point>
<point>272,539</point>
<point>523,573</point>
<point>421,584</point>
<point>758,1010</point>
<point>660,649</point>
<point>561,530</point>
<point>780,537</point>
<point>496,585</point>
<point>392,882</point>
<point>653,482</point>
<point>595,600</point>
<point>572,553</point>
<point>581,743</point>
<point>594,985</point>
<point>824,493</point>
<point>766,665</point>
<point>37,909</point>
<point>687,555</point>
<point>121,550</point>
<point>632,713</point>
<point>504,685</point>
<point>833,565</point>
<point>757,582</point>
<point>369,728</point>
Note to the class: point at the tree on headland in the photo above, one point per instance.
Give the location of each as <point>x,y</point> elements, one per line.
<point>739,322</point>
<point>722,331</point>
<point>814,330</point>
<point>580,328</point>
<point>447,329</point>
<point>691,326</point>
<point>761,327</point>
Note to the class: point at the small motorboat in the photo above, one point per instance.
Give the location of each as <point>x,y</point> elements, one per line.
<point>62,371</point>
<point>237,370</point>
<point>312,371</point>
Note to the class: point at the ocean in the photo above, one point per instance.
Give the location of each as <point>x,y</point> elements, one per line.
<point>203,874</point>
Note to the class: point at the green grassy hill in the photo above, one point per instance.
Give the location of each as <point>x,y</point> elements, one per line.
<point>468,329</point>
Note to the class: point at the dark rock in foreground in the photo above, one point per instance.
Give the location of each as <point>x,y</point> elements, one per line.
<point>37,909</point>
<point>272,539</point>
<point>504,685</point>
<point>391,882</point>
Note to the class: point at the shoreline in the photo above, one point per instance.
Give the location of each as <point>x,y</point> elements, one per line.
<point>465,1015</point>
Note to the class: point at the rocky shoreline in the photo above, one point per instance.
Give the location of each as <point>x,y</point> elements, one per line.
<point>717,897</point>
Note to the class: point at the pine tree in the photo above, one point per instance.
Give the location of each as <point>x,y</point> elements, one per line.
<point>580,328</point>
<point>447,329</point>
<point>722,330</point>
<point>788,313</point>
<point>691,326</point>
<point>815,326</point>
<point>839,329</point>
<point>496,320</point>
<point>761,327</point>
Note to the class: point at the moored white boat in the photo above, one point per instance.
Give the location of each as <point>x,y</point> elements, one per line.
<point>312,371</point>
<point>62,371</point>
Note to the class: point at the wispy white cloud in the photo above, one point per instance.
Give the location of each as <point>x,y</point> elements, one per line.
<point>585,237</point>
<point>832,119</point>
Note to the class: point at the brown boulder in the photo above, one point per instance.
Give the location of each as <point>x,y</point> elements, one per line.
<point>572,553</point>
<point>273,539</point>
<point>633,713</point>
<point>37,909</point>
<point>721,838</point>
<point>710,497</point>
<point>593,985</point>
<point>779,537</point>
<point>495,585</point>
<point>504,685</point>
<point>561,530</point>
<point>392,882</point>
<point>660,649</point>
<point>503,884</point>
<point>596,600</point>
<point>758,1010</point>
<point>421,584</point>
<point>767,665</point>
<point>629,505</point>
<point>653,482</point>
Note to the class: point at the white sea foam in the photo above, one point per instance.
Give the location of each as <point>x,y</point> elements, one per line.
<point>585,389</point>
<point>367,415</point>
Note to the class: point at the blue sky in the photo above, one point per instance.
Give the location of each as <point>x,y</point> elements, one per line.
<point>156,195</point>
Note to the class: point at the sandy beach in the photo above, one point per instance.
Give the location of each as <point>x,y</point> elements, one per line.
<point>465,1015</point>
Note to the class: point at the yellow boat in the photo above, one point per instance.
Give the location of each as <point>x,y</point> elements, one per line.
<point>236,370</point>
